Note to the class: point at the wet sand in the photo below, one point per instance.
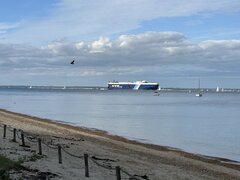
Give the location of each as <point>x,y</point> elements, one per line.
<point>143,161</point>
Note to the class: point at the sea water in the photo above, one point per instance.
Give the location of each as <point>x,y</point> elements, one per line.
<point>209,125</point>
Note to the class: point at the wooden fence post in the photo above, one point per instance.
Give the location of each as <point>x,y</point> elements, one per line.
<point>86,165</point>
<point>22,137</point>
<point>39,146</point>
<point>118,172</point>
<point>4,131</point>
<point>59,154</point>
<point>14,135</point>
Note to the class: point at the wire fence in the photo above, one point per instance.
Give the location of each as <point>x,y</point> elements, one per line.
<point>21,135</point>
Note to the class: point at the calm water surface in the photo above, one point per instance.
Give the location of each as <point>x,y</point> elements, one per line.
<point>208,125</point>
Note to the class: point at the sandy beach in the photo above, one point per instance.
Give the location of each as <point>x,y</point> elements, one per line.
<point>136,160</point>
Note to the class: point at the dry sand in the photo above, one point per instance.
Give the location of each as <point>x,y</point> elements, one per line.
<point>145,161</point>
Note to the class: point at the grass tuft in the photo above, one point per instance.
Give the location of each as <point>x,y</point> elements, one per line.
<point>6,165</point>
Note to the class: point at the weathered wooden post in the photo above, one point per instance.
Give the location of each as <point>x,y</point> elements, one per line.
<point>59,154</point>
<point>14,135</point>
<point>39,146</point>
<point>86,165</point>
<point>22,137</point>
<point>118,172</point>
<point>4,131</point>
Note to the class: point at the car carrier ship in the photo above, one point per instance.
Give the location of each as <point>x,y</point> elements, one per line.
<point>138,85</point>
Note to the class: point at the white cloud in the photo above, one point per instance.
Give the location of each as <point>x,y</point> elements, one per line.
<point>5,27</point>
<point>80,19</point>
<point>150,53</point>
<point>226,44</point>
<point>100,45</point>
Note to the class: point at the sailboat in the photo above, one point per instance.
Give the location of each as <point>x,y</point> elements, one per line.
<point>199,94</point>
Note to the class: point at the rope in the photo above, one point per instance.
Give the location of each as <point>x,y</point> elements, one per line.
<point>49,145</point>
<point>103,159</point>
<point>131,176</point>
<point>31,139</point>
<point>71,154</point>
<point>102,165</point>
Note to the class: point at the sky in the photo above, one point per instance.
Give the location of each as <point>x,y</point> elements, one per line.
<point>171,42</point>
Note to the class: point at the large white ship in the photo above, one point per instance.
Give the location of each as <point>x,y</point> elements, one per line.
<point>138,85</point>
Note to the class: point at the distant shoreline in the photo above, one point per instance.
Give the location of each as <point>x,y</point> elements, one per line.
<point>163,89</point>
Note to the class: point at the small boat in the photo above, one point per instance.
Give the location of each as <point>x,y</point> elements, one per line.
<point>156,93</point>
<point>199,94</point>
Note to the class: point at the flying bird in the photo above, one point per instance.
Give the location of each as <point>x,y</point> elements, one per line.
<point>72,62</point>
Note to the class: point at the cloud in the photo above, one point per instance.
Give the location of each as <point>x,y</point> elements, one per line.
<point>88,20</point>
<point>148,54</point>
<point>5,27</point>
